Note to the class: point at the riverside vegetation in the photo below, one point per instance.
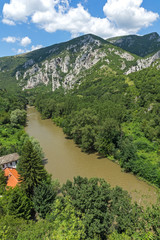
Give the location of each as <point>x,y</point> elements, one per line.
<point>108,112</point>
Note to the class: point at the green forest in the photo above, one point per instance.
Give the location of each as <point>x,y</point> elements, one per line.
<point>116,116</point>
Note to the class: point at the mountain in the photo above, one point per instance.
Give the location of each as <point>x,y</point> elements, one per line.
<point>66,64</point>
<point>139,45</point>
<point>62,64</point>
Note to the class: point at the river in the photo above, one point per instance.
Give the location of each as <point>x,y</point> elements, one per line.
<point>65,160</point>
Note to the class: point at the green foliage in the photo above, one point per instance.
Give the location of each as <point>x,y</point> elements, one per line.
<point>3,181</point>
<point>67,222</point>
<point>141,45</point>
<point>30,168</point>
<point>136,236</point>
<point>151,218</point>
<point>37,147</point>
<point>117,236</point>
<point>127,153</point>
<point>43,198</point>
<point>83,129</point>
<point>107,137</point>
<point>10,136</point>
<point>16,203</point>
<point>18,117</point>
<point>36,230</point>
<point>10,227</point>
<point>91,197</point>
<point>126,214</point>
<point>106,210</point>
<point>86,209</point>
<point>11,139</point>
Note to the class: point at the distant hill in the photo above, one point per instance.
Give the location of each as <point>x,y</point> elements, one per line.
<point>139,45</point>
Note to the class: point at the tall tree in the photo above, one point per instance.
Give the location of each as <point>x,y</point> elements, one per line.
<point>30,168</point>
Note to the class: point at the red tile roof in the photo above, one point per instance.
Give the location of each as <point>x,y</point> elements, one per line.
<point>12,176</point>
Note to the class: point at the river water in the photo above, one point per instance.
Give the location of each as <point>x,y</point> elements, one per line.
<point>65,160</point>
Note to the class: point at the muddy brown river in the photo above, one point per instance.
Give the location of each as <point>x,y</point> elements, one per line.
<point>65,160</point>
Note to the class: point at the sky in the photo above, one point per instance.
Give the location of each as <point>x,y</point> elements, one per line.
<point>26,25</point>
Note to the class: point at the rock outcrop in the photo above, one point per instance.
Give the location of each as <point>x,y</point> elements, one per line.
<point>62,70</point>
<point>143,63</point>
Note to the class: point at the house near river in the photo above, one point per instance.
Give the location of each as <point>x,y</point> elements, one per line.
<point>8,164</point>
<point>9,161</point>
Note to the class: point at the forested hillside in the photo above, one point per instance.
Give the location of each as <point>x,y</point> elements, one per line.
<point>139,45</point>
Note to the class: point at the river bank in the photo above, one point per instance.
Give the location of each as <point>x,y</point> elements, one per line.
<point>65,160</point>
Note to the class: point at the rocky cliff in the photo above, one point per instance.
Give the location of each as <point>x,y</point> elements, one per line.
<point>65,68</point>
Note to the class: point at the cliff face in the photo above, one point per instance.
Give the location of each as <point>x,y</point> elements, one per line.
<point>65,68</point>
<point>144,63</point>
<point>62,70</point>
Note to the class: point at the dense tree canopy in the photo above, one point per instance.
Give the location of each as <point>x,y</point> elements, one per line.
<point>18,117</point>
<point>43,197</point>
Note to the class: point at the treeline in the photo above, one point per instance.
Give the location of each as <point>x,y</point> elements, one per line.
<point>117,116</point>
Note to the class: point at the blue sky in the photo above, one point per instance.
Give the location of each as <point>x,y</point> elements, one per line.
<point>26,25</point>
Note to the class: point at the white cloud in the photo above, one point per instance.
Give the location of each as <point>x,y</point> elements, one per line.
<point>20,51</point>
<point>76,21</point>
<point>22,41</point>
<point>122,16</point>
<point>128,14</point>
<point>36,47</point>
<point>19,10</point>
<point>25,41</point>
<point>10,39</point>
<point>8,22</point>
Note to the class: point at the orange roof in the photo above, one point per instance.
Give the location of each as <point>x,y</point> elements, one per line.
<point>12,176</point>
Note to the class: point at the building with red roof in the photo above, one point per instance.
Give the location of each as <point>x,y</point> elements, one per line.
<point>12,177</point>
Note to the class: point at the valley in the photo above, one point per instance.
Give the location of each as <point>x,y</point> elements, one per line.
<point>90,100</point>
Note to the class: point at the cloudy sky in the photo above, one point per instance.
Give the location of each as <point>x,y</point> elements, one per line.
<point>26,25</point>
